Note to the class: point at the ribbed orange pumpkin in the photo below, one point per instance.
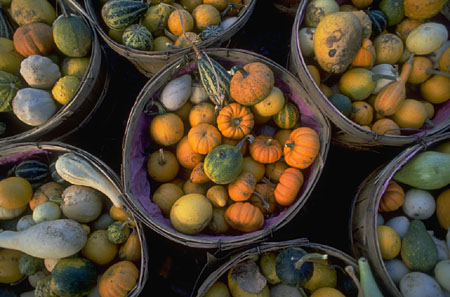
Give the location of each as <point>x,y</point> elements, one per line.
<point>34,39</point>
<point>252,83</point>
<point>265,149</point>
<point>302,147</point>
<point>391,98</point>
<point>264,198</point>
<point>365,56</point>
<point>242,187</point>
<point>118,279</point>
<point>235,121</point>
<point>203,138</point>
<point>392,198</point>
<point>287,189</point>
<point>243,216</point>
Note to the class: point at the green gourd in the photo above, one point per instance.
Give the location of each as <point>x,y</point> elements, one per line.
<point>368,283</point>
<point>428,170</point>
<point>418,252</point>
<point>29,265</point>
<point>118,232</point>
<point>9,85</point>
<point>72,36</point>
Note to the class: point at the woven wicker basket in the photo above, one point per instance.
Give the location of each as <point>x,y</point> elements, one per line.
<point>346,132</point>
<point>78,111</point>
<point>13,153</point>
<point>150,62</point>
<point>365,208</point>
<point>136,146</point>
<point>335,256</point>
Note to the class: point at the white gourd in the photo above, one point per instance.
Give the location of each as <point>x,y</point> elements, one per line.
<point>78,171</point>
<point>441,246</point>
<point>400,224</point>
<point>419,284</point>
<point>176,93</point>
<point>25,222</point>
<point>34,107</point>
<point>384,69</point>
<point>396,269</point>
<point>47,211</point>
<point>419,204</point>
<point>283,290</point>
<point>82,204</point>
<point>198,94</point>
<point>39,72</point>
<point>34,278</point>
<point>380,219</point>
<point>52,239</point>
<point>228,22</point>
<point>442,274</point>
<point>306,41</point>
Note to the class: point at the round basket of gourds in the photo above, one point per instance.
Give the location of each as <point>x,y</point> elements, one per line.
<point>53,75</point>
<point>288,268</point>
<point>400,221</point>
<point>64,230</point>
<point>153,33</point>
<point>206,166</point>
<point>378,69</point>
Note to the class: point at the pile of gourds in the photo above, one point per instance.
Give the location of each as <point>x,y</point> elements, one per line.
<point>413,217</point>
<point>228,148</point>
<point>161,25</point>
<point>65,238</point>
<point>384,65</point>
<point>43,59</point>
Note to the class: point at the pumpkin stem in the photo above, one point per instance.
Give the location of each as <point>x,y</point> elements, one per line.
<point>170,35</point>
<point>266,204</point>
<point>309,258</point>
<point>351,272</point>
<point>236,121</point>
<point>290,145</point>
<point>377,76</point>
<point>437,72</point>
<point>268,142</point>
<point>239,68</point>
<point>250,138</point>
<point>162,159</point>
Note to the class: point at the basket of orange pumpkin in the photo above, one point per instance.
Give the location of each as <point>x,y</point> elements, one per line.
<point>378,69</point>
<point>221,149</point>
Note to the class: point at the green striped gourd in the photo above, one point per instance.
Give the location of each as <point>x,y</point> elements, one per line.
<point>72,36</point>
<point>118,232</point>
<point>212,74</point>
<point>120,14</point>
<point>55,176</point>
<point>379,21</point>
<point>6,30</point>
<point>138,37</point>
<point>211,31</point>
<point>287,117</point>
<point>34,171</point>
<point>9,85</point>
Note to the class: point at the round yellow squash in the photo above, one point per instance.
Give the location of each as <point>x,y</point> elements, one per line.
<point>9,266</point>
<point>15,192</point>
<point>166,195</point>
<point>99,249</point>
<point>270,105</point>
<point>191,213</point>
<point>337,39</point>
<point>10,59</point>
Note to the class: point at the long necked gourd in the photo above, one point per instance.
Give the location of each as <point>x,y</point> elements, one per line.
<point>367,280</point>
<point>78,171</point>
<point>51,239</point>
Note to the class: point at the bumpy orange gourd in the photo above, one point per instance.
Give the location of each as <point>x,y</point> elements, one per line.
<point>242,187</point>
<point>186,156</point>
<point>302,147</point>
<point>392,198</point>
<point>243,216</point>
<point>202,113</point>
<point>289,186</point>
<point>264,198</point>
<point>203,138</point>
<point>251,83</point>
<point>265,149</point>
<point>118,279</point>
<point>365,56</point>
<point>235,121</point>
<point>391,98</point>
<point>34,39</point>
<point>198,175</point>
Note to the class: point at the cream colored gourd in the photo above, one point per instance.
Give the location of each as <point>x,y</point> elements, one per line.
<point>78,171</point>
<point>306,40</point>
<point>426,38</point>
<point>6,214</point>
<point>176,93</point>
<point>52,239</point>
<point>39,72</point>
<point>198,94</point>
<point>384,69</point>
<point>82,204</point>
<point>34,107</point>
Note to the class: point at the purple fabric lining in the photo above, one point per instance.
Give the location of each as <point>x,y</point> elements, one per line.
<point>15,158</point>
<point>140,185</point>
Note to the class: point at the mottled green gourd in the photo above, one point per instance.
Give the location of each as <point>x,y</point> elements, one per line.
<point>43,288</point>
<point>72,36</point>
<point>428,170</point>
<point>119,14</point>
<point>223,163</point>
<point>9,85</point>
<point>29,265</point>
<point>418,252</point>
<point>138,37</point>
<point>118,232</point>
<point>294,267</point>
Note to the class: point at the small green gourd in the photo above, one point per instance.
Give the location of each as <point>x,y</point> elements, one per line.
<point>29,265</point>
<point>118,232</point>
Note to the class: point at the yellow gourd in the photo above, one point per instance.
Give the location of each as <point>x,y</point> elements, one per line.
<point>99,249</point>
<point>436,89</point>
<point>388,48</point>
<point>9,266</point>
<point>166,195</point>
<point>412,114</point>
<point>389,242</point>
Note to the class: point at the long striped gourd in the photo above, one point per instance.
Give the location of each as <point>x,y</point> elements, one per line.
<point>119,14</point>
<point>9,85</point>
<point>6,30</point>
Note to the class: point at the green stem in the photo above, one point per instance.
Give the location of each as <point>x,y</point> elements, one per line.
<point>437,72</point>
<point>162,159</point>
<point>266,204</point>
<point>63,8</point>
<point>241,70</point>
<point>170,35</point>
<point>228,9</point>
<point>429,123</point>
<point>248,137</point>
<point>267,181</point>
<point>57,200</point>
<point>309,258</point>
<point>161,109</point>
<point>377,76</point>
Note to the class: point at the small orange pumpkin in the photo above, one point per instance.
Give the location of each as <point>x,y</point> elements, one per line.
<point>243,216</point>
<point>302,147</point>
<point>162,166</point>
<point>118,279</point>
<point>34,39</point>
<point>386,126</point>
<point>235,121</point>
<point>265,149</point>
<point>252,83</point>
<point>392,198</point>
<point>362,113</point>
<point>264,198</point>
<point>203,138</point>
<point>186,155</point>
<point>202,113</point>
<point>365,56</point>
<point>242,187</point>
<point>287,189</point>
<point>166,128</point>
<point>198,175</point>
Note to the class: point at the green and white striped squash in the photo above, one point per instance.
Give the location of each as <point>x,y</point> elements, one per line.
<point>72,36</point>
<point>379,21</point>
<point>138,37</point>
<point>9,85</point>
<point>287,117</point>
<point>120,14</point>
<point>55,176</point>
<point>6,30</point>
<point>34,171</point>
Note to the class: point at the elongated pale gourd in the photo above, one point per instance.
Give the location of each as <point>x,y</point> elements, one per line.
<point>51,239</point>
<point>78,171</point>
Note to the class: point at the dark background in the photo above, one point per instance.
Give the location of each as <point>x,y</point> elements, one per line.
<point>174,269</point>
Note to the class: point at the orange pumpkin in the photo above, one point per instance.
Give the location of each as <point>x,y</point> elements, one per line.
<point>186,155</point>
<point>34,39</point>
<point>252,83</point>
<point>274,170</point>
<point>242,187</point>
<point>203,138</point>
<point>362,113</point>
<point>202,113</point>
<point>264,198</point>
<point>235,121</point>
<point>302,147</point>
<point>118,279</point>
<point>265,149</point>
<point>162,166</point>
<point>392,198</point>
<point>243,216</point>
<point>289,186</point>
<point>365,56</point>
<point>166,128</point>
<point>386,126</point>
<point>198,175</point>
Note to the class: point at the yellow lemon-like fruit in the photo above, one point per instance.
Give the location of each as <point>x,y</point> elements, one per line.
<point>323,276</point>
<point>270,105</point>
<point>65,88</point>
<point>389,242</point>
<point>75,66</point>
<point>99,249</point>
<point>191,213</point>
<point>166,195</point>
<point>10,59</point>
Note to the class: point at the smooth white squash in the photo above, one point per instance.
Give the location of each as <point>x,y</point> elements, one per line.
<point>52,239</point>
<point>419,204</point>
<point>177,92</point>
<point>77,170</point>
<point>419,284</point>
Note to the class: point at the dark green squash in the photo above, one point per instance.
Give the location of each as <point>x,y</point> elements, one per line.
<point>287,117</point>
<point>137,37</point>
<point>6,30</point>
<point>379,21</point>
